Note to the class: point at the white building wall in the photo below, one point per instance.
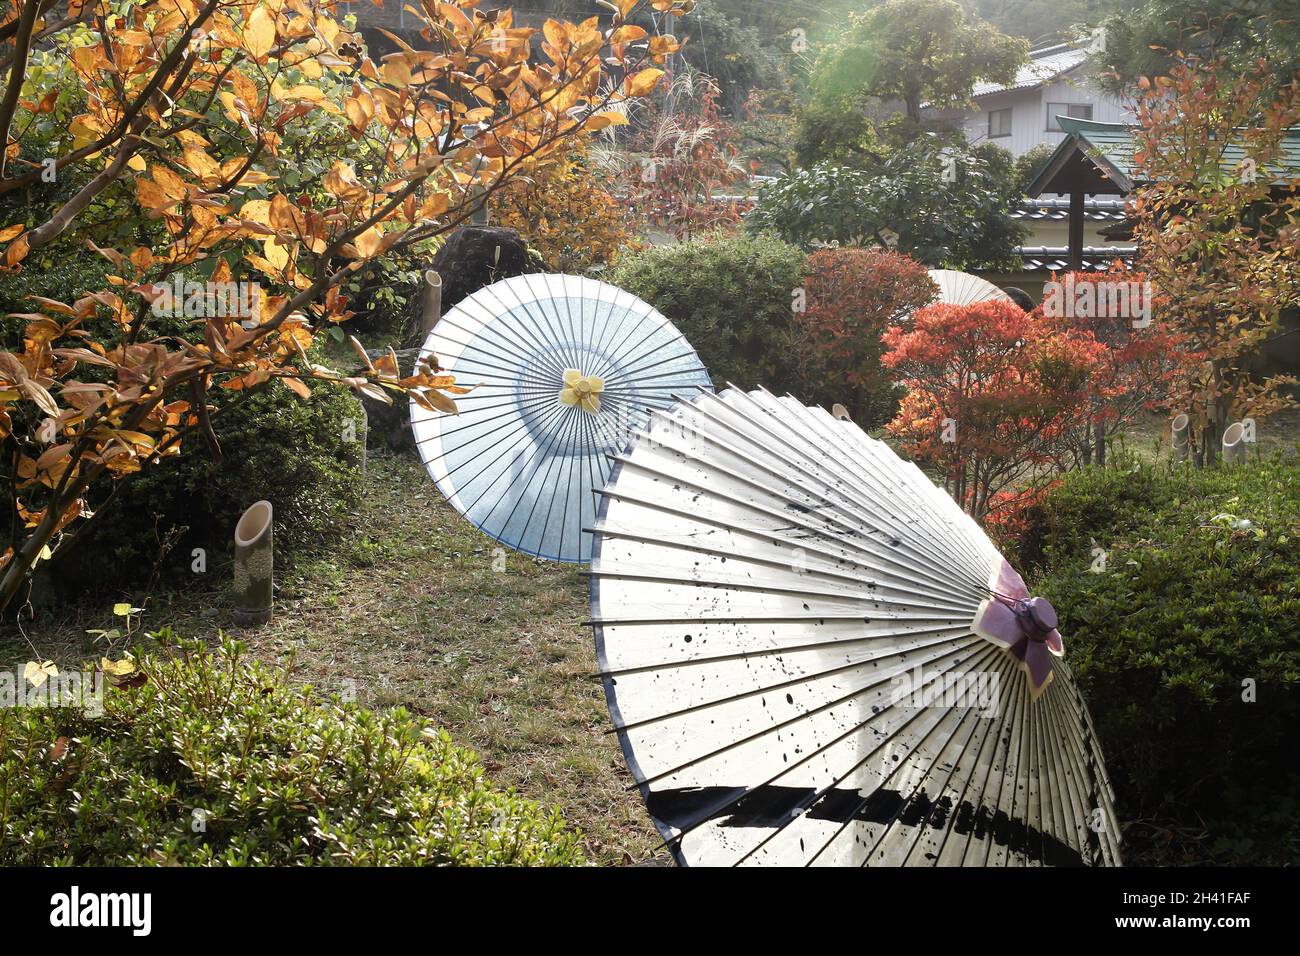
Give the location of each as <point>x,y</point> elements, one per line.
<point>1029,113</point>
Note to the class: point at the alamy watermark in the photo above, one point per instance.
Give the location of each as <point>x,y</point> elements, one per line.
<point>59,689</point>
<point>973,690</point>
<point>1096,298</point>
<point>193,299</point>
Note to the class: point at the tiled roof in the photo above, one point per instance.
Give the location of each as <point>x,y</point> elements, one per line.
<point>1111,146</point>
<point>1044,66</point>
<point>1057,258</point>
<point>1037,210</point>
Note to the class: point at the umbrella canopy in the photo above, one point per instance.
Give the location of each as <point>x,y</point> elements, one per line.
<point>564,367</point>
<point>813,656</point>
<point>962,288</point>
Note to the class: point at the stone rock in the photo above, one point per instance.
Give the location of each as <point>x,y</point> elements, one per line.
<point>477,256</point>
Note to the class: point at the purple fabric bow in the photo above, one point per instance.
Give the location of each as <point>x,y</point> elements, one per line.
<point>1023,625</point>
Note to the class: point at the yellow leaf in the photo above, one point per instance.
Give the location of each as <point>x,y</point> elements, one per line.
<point>276,254</point>
<point>151,195</point>
<point>297,387</point>
<point>369,242</point>
<point>17,251</point>
<point>171,184</point>
<point>396,70</point>
<point>639,84</point>
<point>259,34</point>
<point>37,673</point>
<point>116,668</point>
<point>434,400</point>
<point>599,121</point>
<point>256,210</point>
<point>628,34</point>
<point>122,609</point>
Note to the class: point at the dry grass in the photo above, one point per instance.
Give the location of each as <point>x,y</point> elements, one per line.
<point>407,610</point>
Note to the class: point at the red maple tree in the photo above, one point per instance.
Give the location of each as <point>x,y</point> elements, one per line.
<point>993,394</point>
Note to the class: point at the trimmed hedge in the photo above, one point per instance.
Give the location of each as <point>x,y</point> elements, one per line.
<point>731,296</point>
<point>1200,594</point>
<point>218,761</point>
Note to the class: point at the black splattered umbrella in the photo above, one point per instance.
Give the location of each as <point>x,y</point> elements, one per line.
<point>813,656</point>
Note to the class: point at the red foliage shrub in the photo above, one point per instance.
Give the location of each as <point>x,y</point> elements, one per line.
<point>1141,358</point>
<point>993,394</point>
<point>850,297</point>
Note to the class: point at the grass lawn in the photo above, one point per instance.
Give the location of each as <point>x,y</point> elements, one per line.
<point>408,610</point>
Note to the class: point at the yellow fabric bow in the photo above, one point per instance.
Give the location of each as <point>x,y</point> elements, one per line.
<point>582,390</point>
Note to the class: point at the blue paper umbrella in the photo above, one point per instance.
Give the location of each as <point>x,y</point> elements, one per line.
<point>564,369</point>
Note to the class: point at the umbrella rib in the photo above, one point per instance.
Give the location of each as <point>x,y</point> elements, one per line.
<point>863,477</point>
<point>871,522</point>
<point>925,826</point>
<point>1085,774</point>
<point>888,828</point>
<point>522,427</point>
<point>576,423</point>
<point>1075,821</point>
<point>808,802</point>
<point>782,566</point>
<point>518,445</point>
<point>716,809</point>
<point>850,534</point>
<point>777,651</point>
<point>990,741</point>
<point>556,341</point>
<point>1002,742</point>
<point>857,509</point>
<point>538,450</point>
<point>776,539</point>
<point>782,685</point>
<point>864,800</point>
<point>498,340</point>
<point>877,600</point>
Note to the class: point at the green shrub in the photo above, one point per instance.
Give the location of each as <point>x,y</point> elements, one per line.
<point>1200,592</point>
<point>731,296</point>
<point>218,761</point>
<point>274,445</point>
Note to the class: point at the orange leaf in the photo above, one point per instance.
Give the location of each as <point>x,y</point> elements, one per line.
<point>639,84</point>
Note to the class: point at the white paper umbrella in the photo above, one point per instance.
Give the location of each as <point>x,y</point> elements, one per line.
<point>813,656</point>
<point>564,368</point>
<point>962,288</point>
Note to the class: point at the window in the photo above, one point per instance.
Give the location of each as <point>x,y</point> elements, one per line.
<point>999,123</point>
<point>1073,110</point>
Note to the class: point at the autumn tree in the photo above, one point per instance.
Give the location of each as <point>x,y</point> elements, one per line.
<point>1217,221</point>
<point>900,56</point>
<point>992,394</point>
<point>182,107</point>
<point>849,298</point>
<point>1143,357</point>
<point>566,211</point>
